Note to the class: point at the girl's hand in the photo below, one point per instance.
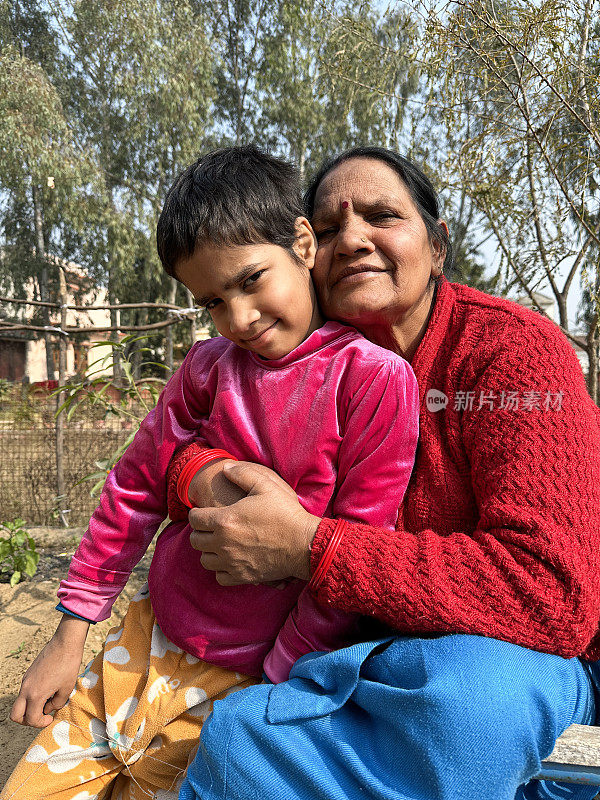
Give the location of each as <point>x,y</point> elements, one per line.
<point>209,488</point>
<point>265,536</point>
<point>49,681</point>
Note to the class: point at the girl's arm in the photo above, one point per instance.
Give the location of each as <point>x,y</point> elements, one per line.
<point>132,506</point>
<point>50,679</point>
<point>133,502</point>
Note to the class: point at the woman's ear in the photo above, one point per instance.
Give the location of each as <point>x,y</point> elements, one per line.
<point>439,251</point>
<point>305,245</point>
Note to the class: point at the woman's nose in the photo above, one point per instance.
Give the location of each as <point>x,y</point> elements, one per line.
<point>242,314</point>
<point>351,239</point>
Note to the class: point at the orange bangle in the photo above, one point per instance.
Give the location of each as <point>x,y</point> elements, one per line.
<point>328,554</point>
<point>195,463</point>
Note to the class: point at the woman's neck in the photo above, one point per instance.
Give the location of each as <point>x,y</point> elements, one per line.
<point>404,335</point>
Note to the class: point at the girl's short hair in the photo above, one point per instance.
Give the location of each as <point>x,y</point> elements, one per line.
<point>418,184</point>
<point>233,196</point>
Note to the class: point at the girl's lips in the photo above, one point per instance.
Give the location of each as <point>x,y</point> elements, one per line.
<point>258,336</point>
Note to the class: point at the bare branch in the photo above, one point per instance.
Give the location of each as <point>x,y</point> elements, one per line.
<point>114,306</point>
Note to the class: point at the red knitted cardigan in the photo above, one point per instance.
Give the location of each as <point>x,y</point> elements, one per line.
<point>499,530</point>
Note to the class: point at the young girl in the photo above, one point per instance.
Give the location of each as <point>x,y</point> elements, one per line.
<point>333,414</point>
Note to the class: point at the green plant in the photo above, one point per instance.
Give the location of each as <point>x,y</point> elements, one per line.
<point>16,652</point>
<point>24,413</point>
<point>59,513</point>
<point>18,553</point>
<point>130,400</point>
<point>5,389</point>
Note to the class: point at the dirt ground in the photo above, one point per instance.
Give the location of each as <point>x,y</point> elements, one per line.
<point>28,619</point>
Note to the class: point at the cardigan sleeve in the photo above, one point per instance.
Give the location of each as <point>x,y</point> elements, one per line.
<point>528,572</point>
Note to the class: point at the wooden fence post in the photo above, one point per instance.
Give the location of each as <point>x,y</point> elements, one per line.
<point>60,398</point>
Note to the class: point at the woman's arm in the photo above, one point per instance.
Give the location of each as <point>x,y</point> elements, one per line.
<point>243,543</point>
<point>528,571</point>
<point>380,425</point>
<point>258,553</point>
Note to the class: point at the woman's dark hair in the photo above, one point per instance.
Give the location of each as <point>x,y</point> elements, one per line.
<point>233,196</point>
<point>418,184</point>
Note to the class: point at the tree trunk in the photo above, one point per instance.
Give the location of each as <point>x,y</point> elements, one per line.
<point>40,252</point>
<point>563,315</point>
<point>592,376</point>
<point>61,494</point>
<point>136,358</point>
<point>170,331</point>
<point>302,161</point>
<point>190,302</point>
<point>115,321</point>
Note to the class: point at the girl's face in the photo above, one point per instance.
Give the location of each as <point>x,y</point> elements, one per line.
<point>258,295</point>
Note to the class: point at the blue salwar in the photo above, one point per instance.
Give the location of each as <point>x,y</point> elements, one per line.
<point>449,718</point>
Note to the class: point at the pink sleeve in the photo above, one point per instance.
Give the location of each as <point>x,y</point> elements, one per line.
<point>133,502</point>
<point>377,453</point>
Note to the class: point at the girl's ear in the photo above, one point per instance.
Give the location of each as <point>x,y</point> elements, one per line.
<point>305,245</point>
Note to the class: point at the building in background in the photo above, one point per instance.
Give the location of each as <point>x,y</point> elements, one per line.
<point>23,353</point>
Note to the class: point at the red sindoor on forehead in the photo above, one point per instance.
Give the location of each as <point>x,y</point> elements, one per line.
<point>345,204</point>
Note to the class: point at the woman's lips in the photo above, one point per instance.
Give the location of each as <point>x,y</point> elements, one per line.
<point>355,274</point>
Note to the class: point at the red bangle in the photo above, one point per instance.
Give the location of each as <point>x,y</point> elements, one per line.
<point>328,554</point>
<point>191,468</point>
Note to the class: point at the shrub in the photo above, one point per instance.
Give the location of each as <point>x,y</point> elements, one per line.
<point>18,554</point>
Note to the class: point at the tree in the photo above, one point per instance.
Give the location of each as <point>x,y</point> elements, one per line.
<point>376,65</point>
<point>238,29</point>
<point>139,97</point>
<point>42,173</point>
<point>520,82</point>
<point>277,76</point>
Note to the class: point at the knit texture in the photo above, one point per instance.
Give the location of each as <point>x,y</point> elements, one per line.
<point>178,511</point>
<point>499,531</point>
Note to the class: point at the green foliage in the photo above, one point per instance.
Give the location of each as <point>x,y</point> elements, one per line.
<point>329,79</point>
<point>140,99</point>
<point>497,101</point>
<point>131,400</point>
<point>5,389</point>
<point>18,554</point>
<point>521,102</point>
<point>37,153</point>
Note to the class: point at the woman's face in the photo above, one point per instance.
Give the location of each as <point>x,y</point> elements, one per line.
<point>374,262</point>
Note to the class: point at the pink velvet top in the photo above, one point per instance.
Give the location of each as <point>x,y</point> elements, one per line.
<point>337,418</point>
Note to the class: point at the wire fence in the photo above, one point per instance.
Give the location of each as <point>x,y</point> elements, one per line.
<point>28,470</point>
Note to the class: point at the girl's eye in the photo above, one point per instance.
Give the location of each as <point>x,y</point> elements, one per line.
<point>212,304</point>
<point>251,279</point>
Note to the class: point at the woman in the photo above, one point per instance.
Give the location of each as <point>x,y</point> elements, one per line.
<point>490,577</point>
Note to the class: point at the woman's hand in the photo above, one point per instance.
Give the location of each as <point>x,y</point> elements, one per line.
<point>265,536</point>
<point>49,681</point>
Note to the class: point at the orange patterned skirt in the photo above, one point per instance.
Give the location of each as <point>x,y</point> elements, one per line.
<point>132,720</point>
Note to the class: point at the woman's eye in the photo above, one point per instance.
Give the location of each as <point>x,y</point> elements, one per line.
<point>252,278</point>
<point>324,234</point>
<point>212,304</point>
<point>382,216</point>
